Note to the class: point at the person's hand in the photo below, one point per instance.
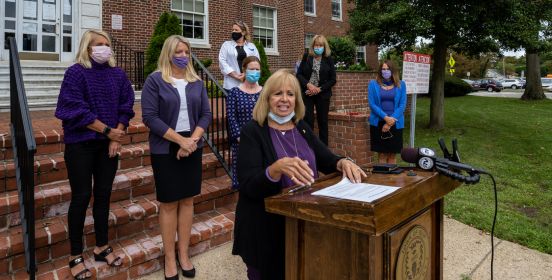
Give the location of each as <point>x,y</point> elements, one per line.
<point>188,144</point>
<point>114,148</point>
<point>308,93</point>
<point>296,169</point>
<point>116,134</point>
<point>390,120</point>
<point>385,128</point>
<point>317,90</point>
<point>311,88</point>
<point>238,139</point>
<point>181,154</point>
<point>350,170</point>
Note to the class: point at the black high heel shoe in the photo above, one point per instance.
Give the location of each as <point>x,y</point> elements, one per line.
<point>188,273</point>
<point>101,257</point>
<point>175,277</point>
<point>82,274</point>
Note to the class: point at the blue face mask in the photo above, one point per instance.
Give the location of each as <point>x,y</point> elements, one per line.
<point>386,74</point>
<point>252,76</point>
<point>180,62</point>
<point>281,120</point>
<point>319,51</point>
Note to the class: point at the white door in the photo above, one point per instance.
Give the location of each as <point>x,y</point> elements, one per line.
<point>43,27</point>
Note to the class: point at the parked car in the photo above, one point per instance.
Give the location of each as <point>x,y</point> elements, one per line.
<point>546,84</point>
<point>474,84</point>
<point>512,83</point>
<point>490,85</point>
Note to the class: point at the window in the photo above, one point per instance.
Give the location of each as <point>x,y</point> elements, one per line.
<point>193,19</point>
<point>308,41</point>
<point>264,27</point>
<point>336,9</point>
<point>360,54</point>
<point>310,7</point>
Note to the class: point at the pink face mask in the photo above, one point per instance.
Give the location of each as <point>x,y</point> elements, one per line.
<point>101,54</point>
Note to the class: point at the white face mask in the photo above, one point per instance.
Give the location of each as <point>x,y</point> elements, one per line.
<point>101,54</point>
<point>281,120</point>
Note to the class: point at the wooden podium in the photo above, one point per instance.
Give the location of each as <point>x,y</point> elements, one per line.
<point>399,236</point>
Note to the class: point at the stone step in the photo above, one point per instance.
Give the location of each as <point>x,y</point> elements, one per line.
<point>53,199</point>
<point>142,251</point>
<point>52,81</point>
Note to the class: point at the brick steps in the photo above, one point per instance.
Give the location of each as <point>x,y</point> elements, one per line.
<point>53,199</point>
<point>142,253</point>
<point>126,219</point>
<point>51,168</point>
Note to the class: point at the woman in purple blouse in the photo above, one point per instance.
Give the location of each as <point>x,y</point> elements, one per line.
<point>277,150</point>
<point>176,109</point>
<point>95,105</point>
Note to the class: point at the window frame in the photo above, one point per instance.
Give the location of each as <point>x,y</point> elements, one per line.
<point>340,18</point>
<point>274,50</point>
<point>363,54</point>
<point>311,35</point>
<point>313,14</point>
<point>197,43</point>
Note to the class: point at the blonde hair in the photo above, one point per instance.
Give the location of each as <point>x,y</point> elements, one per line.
<point>272,85</point>
<point>245,29</point>
<point>165,59</point>
<point>83,56</point>
<point>320,40</point>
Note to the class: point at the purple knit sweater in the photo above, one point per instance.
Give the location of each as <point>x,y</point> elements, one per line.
<point>101,92</point>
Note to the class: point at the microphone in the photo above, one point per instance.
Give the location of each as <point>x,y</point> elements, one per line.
<point>425,159</point>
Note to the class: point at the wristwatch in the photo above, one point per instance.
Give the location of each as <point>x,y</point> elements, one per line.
<point>106,130</point>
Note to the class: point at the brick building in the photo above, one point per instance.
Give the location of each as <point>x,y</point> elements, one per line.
<point>50,30</point>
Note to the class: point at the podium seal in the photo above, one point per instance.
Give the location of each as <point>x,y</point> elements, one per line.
<point>413,259</point>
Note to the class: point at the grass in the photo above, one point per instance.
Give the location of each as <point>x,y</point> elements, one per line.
<point>512,139</point>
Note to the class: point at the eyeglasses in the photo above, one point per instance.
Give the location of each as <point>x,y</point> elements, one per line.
<point>386,135</point>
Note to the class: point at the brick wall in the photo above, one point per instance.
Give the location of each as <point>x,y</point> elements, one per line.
<point>350,93</point>
<point>349,135</point>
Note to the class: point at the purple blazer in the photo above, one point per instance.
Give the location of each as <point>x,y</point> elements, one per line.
<point>160,107</point>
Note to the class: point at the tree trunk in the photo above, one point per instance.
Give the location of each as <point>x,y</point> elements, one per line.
<point>533,90</point>
<point>437,107</point>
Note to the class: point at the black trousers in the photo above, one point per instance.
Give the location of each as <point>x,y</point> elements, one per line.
<point>86,161</point>
<point>322,105</point>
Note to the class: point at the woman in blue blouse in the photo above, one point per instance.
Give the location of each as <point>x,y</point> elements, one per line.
<point>387,100</point>
<point>239,107</point>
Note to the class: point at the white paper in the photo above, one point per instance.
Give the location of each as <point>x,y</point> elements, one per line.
<point>29,9</point>
<point>116,22</point>
<point>359,192</point>
<point>49,11</point>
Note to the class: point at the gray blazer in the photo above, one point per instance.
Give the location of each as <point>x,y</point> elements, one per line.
<point>160,107</point>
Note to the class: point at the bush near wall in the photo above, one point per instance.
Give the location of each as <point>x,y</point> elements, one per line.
<point>265,69</point>
<point>456,87</point>
<point>167,25</point>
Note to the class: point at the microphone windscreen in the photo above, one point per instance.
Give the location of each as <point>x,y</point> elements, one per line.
<point>410,155</point>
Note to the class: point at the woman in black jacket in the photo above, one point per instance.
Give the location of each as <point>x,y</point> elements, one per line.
<point>277,150</point>
<point>316,75</point>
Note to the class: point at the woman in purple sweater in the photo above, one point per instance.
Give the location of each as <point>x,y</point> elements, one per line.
<point>95,105</point>
<point>176,109</point>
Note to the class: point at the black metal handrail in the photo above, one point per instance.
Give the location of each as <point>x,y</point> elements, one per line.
<point>24,149</point>
<point>131,61</point>
<point>216,135</point>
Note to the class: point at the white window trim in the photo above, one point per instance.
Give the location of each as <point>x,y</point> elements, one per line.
<point>340,18</point>
<point>314,8</point>
<point>364,52</point>
<point>272,51</point>
<point>199,43</point>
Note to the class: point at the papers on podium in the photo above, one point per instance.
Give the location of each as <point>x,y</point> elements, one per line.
<point>359,192</point>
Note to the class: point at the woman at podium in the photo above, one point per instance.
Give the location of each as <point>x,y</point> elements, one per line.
<point>277,150</point>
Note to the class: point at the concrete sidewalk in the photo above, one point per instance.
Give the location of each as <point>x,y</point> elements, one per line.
<point>467,256</point>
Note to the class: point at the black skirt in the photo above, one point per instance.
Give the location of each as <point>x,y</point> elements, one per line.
<point>176,179</point>
<point>390,142</point>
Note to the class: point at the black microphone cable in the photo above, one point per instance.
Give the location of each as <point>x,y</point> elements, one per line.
<point>494,220</point>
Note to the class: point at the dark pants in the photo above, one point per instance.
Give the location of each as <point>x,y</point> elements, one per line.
<point>86,161</point>
<point>322,105</point>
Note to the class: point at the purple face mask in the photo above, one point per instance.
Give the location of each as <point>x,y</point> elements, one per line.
<point>386,74</point>
<point>180,62</point>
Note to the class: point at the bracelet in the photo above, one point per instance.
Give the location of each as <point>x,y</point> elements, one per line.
<point>106,130</point>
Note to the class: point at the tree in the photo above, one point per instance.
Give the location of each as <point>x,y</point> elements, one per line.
<point>527,25</point>
<point>455,24</point>
<point>167,25</point>
<point>265,70</point>
<point>343,50</point>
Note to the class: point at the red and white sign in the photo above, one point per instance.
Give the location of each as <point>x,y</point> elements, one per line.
<point>415,72</point>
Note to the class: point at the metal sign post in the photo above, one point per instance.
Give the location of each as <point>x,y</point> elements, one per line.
<point>416,68</point>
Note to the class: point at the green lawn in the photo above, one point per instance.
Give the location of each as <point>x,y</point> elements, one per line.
<point>512,139</point>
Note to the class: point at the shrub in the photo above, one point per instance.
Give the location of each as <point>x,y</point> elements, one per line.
<point>343,50</point>
<point>265,70</point>
<point>167,25</point>
<point>456,87</point>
